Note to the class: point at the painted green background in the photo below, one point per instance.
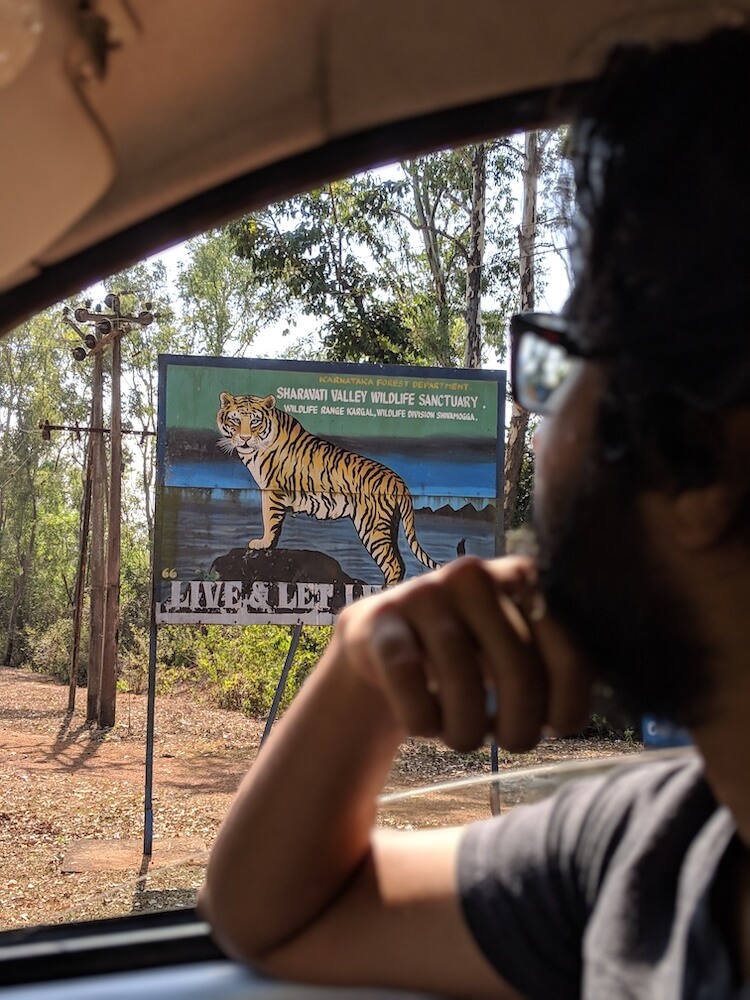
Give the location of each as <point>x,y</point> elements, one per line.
<point>192,400</point>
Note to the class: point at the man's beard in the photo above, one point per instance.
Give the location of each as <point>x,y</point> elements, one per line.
<point>607,586</point>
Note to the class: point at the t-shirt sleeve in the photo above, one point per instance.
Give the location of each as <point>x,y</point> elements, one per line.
<point>529,879</point>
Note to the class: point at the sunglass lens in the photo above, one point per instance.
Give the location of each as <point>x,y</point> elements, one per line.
<point>541,368</point>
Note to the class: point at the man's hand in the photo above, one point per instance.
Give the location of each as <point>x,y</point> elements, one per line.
<point>292,876</point>
<point>467,652</point>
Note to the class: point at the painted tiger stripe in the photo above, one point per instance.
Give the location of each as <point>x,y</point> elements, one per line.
<point>305,473</point>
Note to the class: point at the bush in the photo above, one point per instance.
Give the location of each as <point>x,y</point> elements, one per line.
<point>243,665</point>
<point>133,662</point>
<point>608,720</point>
<point>49,650</point>
<point>236,667</point>
<point>176,658</point>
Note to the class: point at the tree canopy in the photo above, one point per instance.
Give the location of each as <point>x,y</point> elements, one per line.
<point>383,265</point>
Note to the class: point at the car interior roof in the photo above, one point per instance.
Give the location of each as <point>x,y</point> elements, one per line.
<point>130,125</point>
<point>137,124</point>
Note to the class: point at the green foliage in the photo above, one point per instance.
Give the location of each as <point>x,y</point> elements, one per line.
<point>608,720</point>
<point>382,264</point>
<point>49,650</point>
<point>135,582</point>
<point>40,484</point>
<point>329,251</point>
<point>525,494</point>
<point>236,667</point>
<point>223,303</point>
<point>133,661</point>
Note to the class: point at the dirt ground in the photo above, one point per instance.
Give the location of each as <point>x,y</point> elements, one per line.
<point>72,798</point>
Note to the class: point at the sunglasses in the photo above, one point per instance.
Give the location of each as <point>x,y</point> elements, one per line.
<point>543,357</point>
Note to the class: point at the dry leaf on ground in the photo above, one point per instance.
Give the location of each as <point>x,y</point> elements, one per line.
<point>65,782</point>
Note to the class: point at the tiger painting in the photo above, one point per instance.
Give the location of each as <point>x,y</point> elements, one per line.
<point>297,471</point>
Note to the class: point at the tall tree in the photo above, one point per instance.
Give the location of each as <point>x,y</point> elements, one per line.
<point>461,208</point>
<point>519,418</point>
<point>547,209</point>
<point>434,185</point>
<point>39,481</point>
<point>392,269</point>
<point>330,253</point>
<point>223,304</point>
<point>475,262</point>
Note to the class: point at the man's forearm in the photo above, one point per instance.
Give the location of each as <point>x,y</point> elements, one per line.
<point>294,866</point>
<point>300,826</point>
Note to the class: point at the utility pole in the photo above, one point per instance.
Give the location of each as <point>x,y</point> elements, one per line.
<point>97,462</point>
<point>108,686</point>
<point>105,574</point>
<point>96,567</point>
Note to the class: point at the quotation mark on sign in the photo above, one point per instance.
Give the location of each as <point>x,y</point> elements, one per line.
<point>169,574</point>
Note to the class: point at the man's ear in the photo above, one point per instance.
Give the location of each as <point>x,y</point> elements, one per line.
<point>704,515</point>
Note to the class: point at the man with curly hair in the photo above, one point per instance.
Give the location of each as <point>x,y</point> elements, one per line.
<point>634,884</point>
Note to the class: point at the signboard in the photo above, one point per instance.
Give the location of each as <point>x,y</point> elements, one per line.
<point>286,490</point>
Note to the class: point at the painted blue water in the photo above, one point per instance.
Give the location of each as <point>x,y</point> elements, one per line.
<point>207,525</point>
<point>449,475</point>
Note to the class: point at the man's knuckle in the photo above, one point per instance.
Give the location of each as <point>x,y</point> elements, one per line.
<point>466,568</point>
<point>448,631</point>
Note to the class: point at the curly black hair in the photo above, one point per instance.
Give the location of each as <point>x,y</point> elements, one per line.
<point>661,154</point>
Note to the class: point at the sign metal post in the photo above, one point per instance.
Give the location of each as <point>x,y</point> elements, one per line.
<point>328,482</point>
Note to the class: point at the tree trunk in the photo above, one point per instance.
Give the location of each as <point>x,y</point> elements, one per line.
<point>426,226</point>
<point>19,590</point>
<point>473,355</point>
<point>80,587</point>
<point>519,420</point>
<point>148,478</point>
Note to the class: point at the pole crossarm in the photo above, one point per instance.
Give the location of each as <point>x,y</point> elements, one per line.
<point>45,427</point>
<point>108,326</point>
